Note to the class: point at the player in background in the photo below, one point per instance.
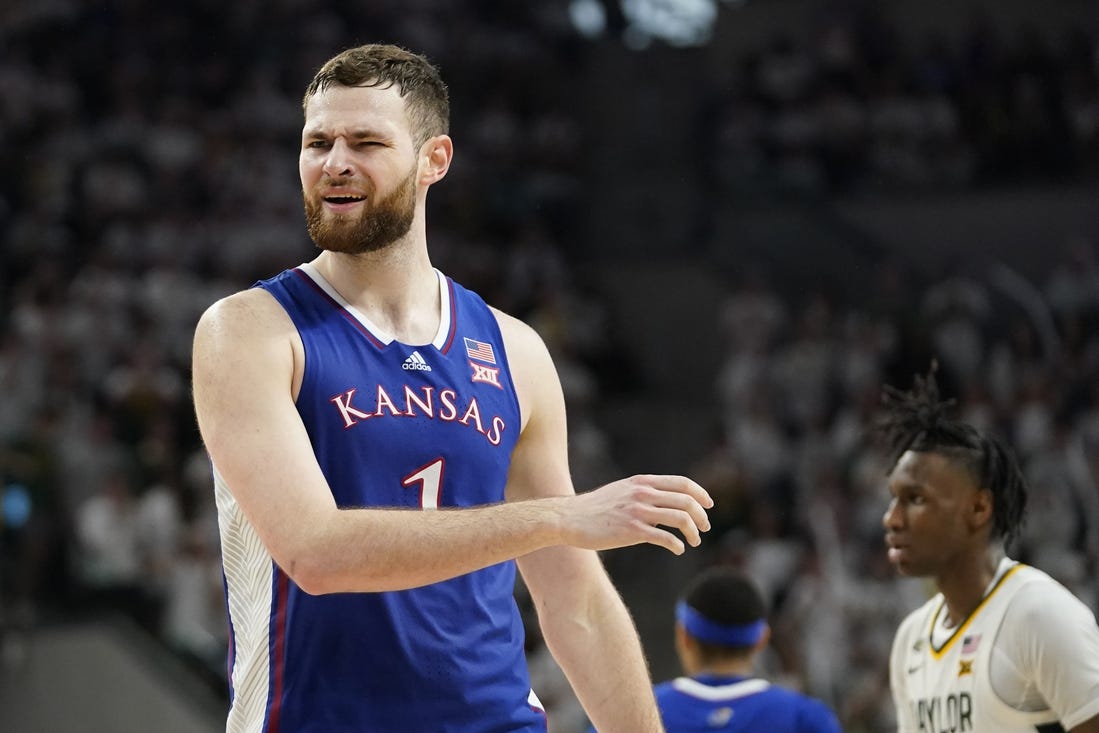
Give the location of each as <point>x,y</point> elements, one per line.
<point>388,450</point>
<point>1002,646</point>
<point>720,629</point>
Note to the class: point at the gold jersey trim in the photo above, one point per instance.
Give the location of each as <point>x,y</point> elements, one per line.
<point>937,654</point>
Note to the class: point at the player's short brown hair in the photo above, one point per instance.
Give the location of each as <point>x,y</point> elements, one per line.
<point>427,101</point>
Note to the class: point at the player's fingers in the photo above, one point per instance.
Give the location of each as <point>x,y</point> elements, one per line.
<point>679,484</point>
<point>682,502</point>
<point>653,535</point>
<point>675,518</point>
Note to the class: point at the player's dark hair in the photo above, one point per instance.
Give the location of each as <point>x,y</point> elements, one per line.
<point>918,420</point>
<point>379,65</point>
<point>726,597</point>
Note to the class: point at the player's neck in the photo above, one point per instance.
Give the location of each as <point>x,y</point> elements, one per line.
<point>396,288</point>
<point>964,586</point>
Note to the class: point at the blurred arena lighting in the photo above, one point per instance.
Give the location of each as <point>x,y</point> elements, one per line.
<point>676,22</point>
<point>588,17</point>
<point>680,23</point>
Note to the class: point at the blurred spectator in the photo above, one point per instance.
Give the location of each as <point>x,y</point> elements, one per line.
<point>107,554</point>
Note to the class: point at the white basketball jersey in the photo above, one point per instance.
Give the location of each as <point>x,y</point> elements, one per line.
<point>942,679</point>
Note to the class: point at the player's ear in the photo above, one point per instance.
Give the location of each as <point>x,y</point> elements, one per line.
<point>981,508</point>
<point>434,160</point>
<point>681,639</point>
<point>764,639</point>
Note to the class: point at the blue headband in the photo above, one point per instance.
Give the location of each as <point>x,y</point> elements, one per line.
<point>704,629</point>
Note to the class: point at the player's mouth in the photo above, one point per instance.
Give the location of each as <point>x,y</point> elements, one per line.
<point>897,552</point>
<point>341,202</point>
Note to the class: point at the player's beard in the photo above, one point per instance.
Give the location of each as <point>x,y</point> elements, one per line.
<point>376,227</point>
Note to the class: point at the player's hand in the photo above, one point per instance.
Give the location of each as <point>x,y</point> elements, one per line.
<point>636,510</point>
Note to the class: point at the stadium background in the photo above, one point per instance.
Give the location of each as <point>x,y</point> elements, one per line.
<point>731,221</point>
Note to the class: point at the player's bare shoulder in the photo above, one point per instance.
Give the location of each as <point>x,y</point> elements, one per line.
<point>243,320</point>
<point>532,367</point>
<point>247,313</point>
<point>244,333</point>
<point>519,337</point>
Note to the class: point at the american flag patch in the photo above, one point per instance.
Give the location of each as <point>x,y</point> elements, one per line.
<point>969,644</point>
<point>480,351</point>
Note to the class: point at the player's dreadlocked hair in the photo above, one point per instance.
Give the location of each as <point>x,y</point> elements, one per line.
<point>919,421</point>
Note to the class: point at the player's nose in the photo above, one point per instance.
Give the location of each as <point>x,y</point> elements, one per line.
<point>337,163</point>
<point>892,518</point>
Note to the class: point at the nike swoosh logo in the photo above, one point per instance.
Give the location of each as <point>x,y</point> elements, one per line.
<point>913,670</point>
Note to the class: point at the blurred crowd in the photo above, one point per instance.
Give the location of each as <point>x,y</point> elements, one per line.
<point>150,169</point>
<point>860,105</point>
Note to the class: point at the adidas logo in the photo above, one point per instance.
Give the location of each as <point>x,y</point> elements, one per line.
<point>415,363</point>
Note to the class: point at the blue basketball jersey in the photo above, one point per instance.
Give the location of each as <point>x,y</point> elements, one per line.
<point>392,425</point>
<point>706,704</point>
<point>713,704</point>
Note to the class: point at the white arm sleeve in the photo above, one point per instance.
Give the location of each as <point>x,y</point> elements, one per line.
<point>1047,651</point>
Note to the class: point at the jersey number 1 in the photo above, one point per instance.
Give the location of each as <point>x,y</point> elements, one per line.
<point>430,479</point>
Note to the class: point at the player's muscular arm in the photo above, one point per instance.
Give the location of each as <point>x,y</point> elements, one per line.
<point>590,633</point>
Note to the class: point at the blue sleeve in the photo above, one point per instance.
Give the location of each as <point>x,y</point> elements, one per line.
<point>816,717</point>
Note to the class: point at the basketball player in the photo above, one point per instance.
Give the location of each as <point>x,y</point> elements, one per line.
<point>1002,647</point>
<point>720,628</point>
<point>387,449</point>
